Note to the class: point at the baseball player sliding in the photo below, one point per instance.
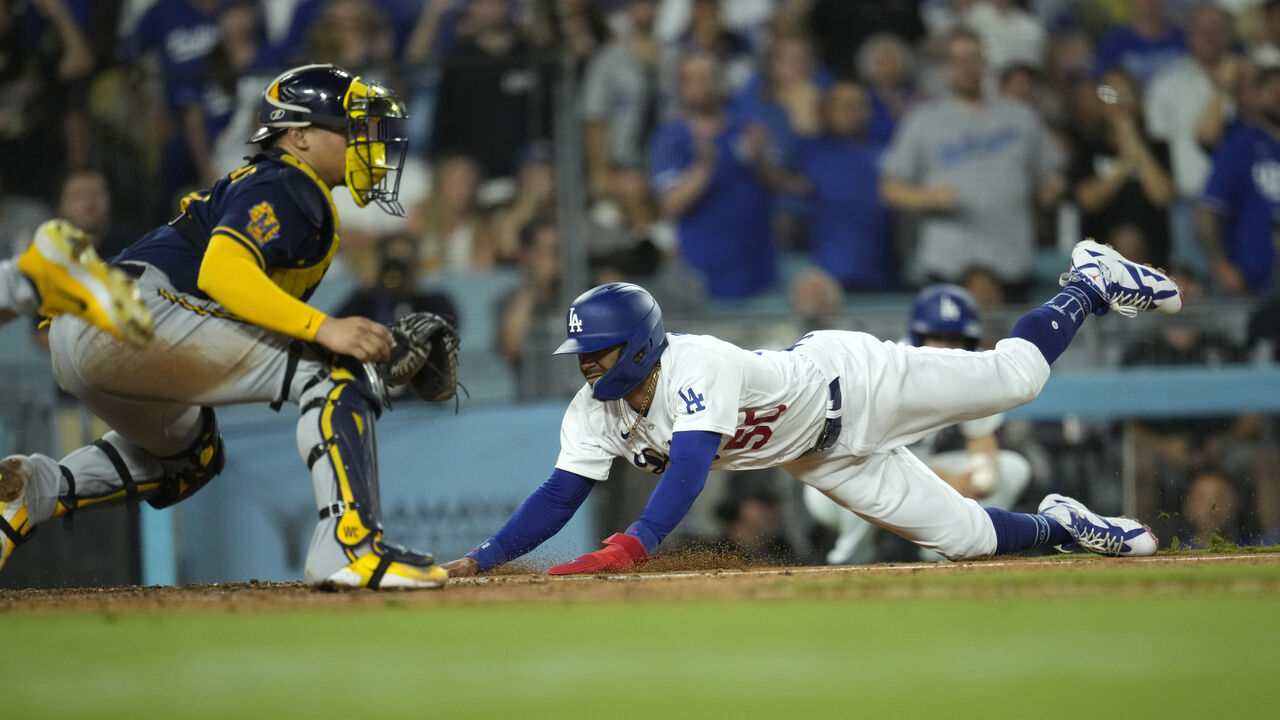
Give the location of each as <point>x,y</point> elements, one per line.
<point>836,410</point>
<point>225,285</point>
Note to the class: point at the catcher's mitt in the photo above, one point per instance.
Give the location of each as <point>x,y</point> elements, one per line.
<point>425,355</point>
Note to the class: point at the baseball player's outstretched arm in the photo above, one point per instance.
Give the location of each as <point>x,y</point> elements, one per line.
<point>541,516</point>
<point>691,456</point>
<point>692,453</point>
<point>233,276</point>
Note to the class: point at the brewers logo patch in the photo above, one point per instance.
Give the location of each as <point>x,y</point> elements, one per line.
<point>263,226</point>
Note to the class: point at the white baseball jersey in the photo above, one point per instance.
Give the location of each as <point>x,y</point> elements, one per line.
<point>772,406</point>
<point>769,406</point>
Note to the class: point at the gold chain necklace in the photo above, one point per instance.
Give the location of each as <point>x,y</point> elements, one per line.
<point>648,398</point>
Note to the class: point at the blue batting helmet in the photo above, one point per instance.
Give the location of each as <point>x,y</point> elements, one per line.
<point>617,314</point>
<point>368,114</point>
<point>945,310</point>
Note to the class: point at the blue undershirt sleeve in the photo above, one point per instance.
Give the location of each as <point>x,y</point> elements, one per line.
<point>542,515</point>
<point>692,453</point>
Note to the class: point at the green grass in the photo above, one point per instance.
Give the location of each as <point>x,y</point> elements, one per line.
<point>1179,642</point>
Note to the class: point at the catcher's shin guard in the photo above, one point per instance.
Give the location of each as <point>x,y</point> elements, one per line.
<point>336,438</point>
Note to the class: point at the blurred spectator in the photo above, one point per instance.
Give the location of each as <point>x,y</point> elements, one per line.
<point>621,98</point>
<point>1010,35</point>
<point>1211,508</point>
<point>535,197</point>
<point>45,63</point>
<point>1144,46</point>
<point>852,234</point>
<point>841,28</point>
<point>1176,108</point>
<point>1068,66</point>
<point>450,229</point>
<point>815,299</point>
<point>1237,218</point>
<point>752,527</point>
<point>1266,53</point>
<point>627,213</point>
<point>709,171</point>
<point>352,34</point>
<point>494,94</point>
<point>242,49</point>
<point>1022,83</point>
<point>391,291</point>
<point>707,33</point>
<point>538,295</point>
<point>181,33</point>
<point>578,26</point>
<point>746,18</point>
<point>1264,327</point>
<point>434,31</point>
<point>785,98</point>
<point>85,200</point>
<point>320,24</point>
<point>1119,176</point>
<point>630,241</point>
<point>975,169</point>
<point>1169,451</point>
<point>19,217</point>
<point>886,66</point>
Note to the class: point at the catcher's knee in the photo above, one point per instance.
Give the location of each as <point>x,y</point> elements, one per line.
<point>193,468</point>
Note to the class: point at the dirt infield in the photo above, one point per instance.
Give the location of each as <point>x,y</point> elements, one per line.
<point>665,580</point>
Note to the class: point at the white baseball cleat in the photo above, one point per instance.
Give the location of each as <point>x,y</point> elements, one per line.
<point>15,521</point>
<point>1126,286</point>
<point>70,278</point>
<point>1110,536</point>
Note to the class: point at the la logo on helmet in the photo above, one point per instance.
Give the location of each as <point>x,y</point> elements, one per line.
<point>949,309</point>
<point>575,323</point>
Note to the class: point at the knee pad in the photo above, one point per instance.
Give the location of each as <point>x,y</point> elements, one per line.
<point>193,468</point>
<point>336,436</point>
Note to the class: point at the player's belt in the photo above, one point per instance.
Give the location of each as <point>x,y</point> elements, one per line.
<point>831,428</point>
<point>187,227</point>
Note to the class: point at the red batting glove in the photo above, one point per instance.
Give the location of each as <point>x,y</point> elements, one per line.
<point>621,552</point>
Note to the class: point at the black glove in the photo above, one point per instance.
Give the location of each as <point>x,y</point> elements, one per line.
<point>425,354</point>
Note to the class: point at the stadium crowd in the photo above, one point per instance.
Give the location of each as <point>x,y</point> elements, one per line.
<point>804,152</point>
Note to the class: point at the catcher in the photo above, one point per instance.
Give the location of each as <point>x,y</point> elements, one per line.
<point>226,284</point>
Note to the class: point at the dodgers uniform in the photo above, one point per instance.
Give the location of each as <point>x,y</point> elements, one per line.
<point>773,408</point>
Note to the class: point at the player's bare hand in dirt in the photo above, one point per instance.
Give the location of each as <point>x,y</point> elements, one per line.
<point>361,338</point>
<point>462,567</point>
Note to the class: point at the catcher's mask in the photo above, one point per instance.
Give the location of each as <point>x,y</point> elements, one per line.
<point>945,310</point>
<point>369,115</point>
<point>617,314</point>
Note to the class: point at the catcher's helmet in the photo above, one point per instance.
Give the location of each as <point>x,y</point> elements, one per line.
<point>367,113</point>
<point>617,314</point>
<point>945,310</point>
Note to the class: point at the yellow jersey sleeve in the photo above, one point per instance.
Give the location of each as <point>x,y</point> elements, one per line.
<point>232,275</point>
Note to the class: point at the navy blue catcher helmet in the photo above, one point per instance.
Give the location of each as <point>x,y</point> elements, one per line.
<point>945,310</point>
<point>368,114</point>
<point>617,314</point>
